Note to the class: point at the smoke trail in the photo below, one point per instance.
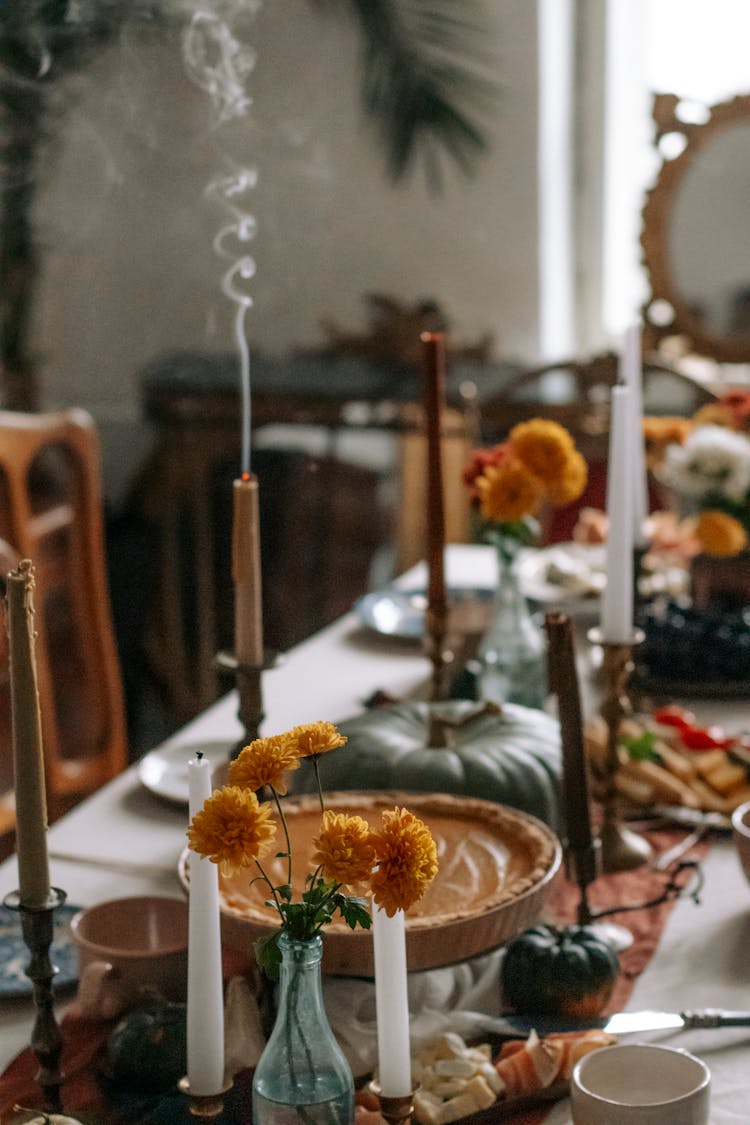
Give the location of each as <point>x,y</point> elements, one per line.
<point>220,64</point>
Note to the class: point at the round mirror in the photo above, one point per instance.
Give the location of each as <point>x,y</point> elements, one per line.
<point>696,233</point>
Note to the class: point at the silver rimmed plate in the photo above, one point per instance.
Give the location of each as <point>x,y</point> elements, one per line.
<point>401,613</point>
<point>14,954</point>
<point>164,771</point>
<point>566,574</point>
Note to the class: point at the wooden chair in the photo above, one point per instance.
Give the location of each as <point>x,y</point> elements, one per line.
<point>410,531</point>
<point>51,512</point>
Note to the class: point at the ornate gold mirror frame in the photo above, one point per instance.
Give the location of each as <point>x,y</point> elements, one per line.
<point>670,310</point>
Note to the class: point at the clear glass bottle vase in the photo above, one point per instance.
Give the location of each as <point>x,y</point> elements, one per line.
<point>512,652</point>
<point>302,1077</point>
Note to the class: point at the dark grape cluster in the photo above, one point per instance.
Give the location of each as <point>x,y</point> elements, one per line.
<point>695,644</point>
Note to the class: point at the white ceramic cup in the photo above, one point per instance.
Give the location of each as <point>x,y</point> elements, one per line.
<point>640,1084</point>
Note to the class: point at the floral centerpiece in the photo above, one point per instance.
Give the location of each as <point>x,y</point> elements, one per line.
<point>510,484</point>
<point>302,1069</point>
<point>512,481</point>
<point>705,462</point>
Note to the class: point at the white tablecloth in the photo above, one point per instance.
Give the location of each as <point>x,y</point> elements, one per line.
<point>703,959</point>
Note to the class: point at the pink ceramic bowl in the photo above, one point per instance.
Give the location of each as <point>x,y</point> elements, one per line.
<point>140,942</point>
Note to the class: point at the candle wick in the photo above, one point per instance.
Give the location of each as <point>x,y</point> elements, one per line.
<point>199,755</point>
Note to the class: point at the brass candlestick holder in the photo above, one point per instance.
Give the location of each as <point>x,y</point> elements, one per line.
<point>250,692</point>
<point>207,1106</point>
<point>37,927</point>
<point>621,848</point>
<point>441,658</point>
<point>396,1110</point>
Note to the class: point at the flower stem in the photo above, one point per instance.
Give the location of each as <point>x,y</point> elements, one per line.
<point>286,836</point>
<point>316,767</point>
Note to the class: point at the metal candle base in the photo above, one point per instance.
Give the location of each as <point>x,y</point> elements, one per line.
<point>250,692</point>
<point>37,926</point>
<point>621,848</point>
<point>394,1110</point>
<point>204,1105</point>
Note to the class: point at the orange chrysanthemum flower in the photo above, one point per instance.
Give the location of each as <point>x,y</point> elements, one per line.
<point>264,761</point>
<point>344,849</point>
<point>508,491</point>
<point>479,462</point>
<point>315,738</point>
<point>406,855</point>
<point>661,432</point>
<point>714,414</point>
<point>232,829</point>
<point>571,483</point>
<point>720,534</point>
<point>543,446</point>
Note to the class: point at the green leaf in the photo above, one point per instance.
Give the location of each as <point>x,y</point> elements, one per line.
<point>641,748</point>
<point>355,913</point>
<point>285,892</point>
<point>268,955</point>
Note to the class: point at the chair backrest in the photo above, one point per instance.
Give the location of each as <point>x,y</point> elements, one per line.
<point>410,532</point>
<point>51,512</point>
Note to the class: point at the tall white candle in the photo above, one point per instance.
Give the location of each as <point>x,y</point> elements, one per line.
<point>391,1003</point>
<point>631,375</point>
<point>617,599</point>
<point>205,1000</point>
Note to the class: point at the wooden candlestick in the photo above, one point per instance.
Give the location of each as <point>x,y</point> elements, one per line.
<point>582,850</point>
<point>246,573</point>
<point>437,605</point>
<point>28,756</point>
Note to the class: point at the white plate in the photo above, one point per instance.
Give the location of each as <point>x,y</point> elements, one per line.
<point>165,771</point>
<point>401,613</point>
<point>566,574</point>
<point>15,956</point>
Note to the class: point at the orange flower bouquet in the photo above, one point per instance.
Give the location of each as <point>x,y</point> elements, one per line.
<point>511,482</point>
<point>705,462</point>
<point>395,864</point>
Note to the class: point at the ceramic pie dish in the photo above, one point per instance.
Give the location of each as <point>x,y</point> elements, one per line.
<point>496,868</point>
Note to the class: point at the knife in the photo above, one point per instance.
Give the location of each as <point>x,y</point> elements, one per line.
<point>622,1023</point>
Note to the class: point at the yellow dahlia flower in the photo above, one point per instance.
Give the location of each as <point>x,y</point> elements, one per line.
<point>572,481</point>
<point>232,829</point>
<point>264,761</point>
<point>315,738</point>
<point>508,491</point>
<point>543,446</point>
<point>343,848</point>
<point>406,855</point>
<point>720,534</point>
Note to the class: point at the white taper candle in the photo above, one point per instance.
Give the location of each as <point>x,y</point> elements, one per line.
<point>205,999</point>
<point>392,1003</point>
<point>631,374</point>
<point>617,599</point>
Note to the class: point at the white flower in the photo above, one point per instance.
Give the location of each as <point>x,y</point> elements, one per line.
<point>713,461</point>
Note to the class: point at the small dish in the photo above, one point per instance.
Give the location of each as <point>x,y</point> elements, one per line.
<point>401,613</point>
<point>164,771</point>
<point>567,574</point>
<point>14,954</point>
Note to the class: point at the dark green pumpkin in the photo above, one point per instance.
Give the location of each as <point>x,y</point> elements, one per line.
<point>510,755</point>
<point>558,971</point>
<point>148,1048</point>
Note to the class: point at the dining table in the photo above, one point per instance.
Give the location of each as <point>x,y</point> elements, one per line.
<point>127,838</point>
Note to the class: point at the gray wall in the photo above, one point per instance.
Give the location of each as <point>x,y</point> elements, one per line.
<point>126,227</point>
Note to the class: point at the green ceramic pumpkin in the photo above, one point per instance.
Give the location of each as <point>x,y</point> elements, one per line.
<point>148,1048</point>
<point>558,971</point>
<point>509,754</point>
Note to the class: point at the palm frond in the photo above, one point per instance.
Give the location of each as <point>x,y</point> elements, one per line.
<point>426,79</point>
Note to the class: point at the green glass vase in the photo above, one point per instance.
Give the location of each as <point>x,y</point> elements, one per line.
<point>302,1077</point>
